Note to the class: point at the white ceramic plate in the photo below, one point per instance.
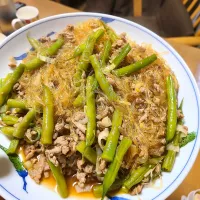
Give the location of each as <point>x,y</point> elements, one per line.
<point>11,185</point>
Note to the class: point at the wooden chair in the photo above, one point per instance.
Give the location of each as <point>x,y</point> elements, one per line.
<point>193,8</point>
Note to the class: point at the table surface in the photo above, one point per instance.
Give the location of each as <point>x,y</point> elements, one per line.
<point>190,54</point>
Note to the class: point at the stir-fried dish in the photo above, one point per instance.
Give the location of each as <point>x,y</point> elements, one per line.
<point>96,106</point>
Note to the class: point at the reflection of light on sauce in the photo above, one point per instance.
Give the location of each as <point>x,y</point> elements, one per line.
<point>51,184</point>
<point>21,154</point>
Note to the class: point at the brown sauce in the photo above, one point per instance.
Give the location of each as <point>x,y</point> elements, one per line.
<point>51,184</point>
<point>71,181</point>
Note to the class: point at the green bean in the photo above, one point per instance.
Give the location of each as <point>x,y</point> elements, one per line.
<point>48,119</point>
<point>3,80</point>
<point>7,130</point>
<point>78,81</point>
<point>171,154</point>
<point>8,86</point>
<point>135,66</point>
<point>6,79</point>
<point>134,172</point>
<point>180,108</point>
<point>52,50</point>
<point>189,138</point>
<point>119,58</point>
<point>172,109</point>
<point>16,103</point>
<point>113,36</point>
<point>90,110</point>
<point>169,159</point>
<point>3,109</point>
<point>9,119</point>
<point>34,43</point>
<point>79,50</point>
<point>60,179</point>
<point>155,161</point>
<point>89,47</point>
<point>34,63</point>
<point>83,65</point>
<point>136,176</point>
<point>98,34</point>
<point>103,83</point>
<point>98,189</point>
<point>113,169</point>
<point>113,137</point>
<point>13,146</point>
<point>24,124</point>
<point>87,152</point>
<point>84,59</point>
<point>79,101</point>
<point>106,53</point>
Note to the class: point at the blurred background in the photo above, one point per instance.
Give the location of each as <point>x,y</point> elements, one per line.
<point>168,18</point>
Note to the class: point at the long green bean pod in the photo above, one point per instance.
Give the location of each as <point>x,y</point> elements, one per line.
<point>24,124</point>
<point>106,52</point>
<point>52,50</point>
<point>103,83</point>
<point>13,146</point>
<point>169,159</point>
<point>60,180</point>
<point>48,119</point>
<point>113,137</point>
<point>34,43</point>
<point>136,176</point>
<point>83,65</point>
<point>98,189</point>
<point>87,152</point>
<point>113,169</point>
<point>16,103</point>
<point>189,138</point>
<point>9,119</point>
<point>113,36</point>
<point>84,59</point>
<point>79,101</point>
<point>119,58</point>
<point>7,130</point>
<point>90,110</point>
<point>34,64</point>
<point>172,109</point>
<point>7,78</point>
<point>79,50</point>
<point>8,86</point>
<point>135,66</point>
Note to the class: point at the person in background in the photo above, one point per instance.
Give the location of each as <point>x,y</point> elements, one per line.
<point>168,18</point>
